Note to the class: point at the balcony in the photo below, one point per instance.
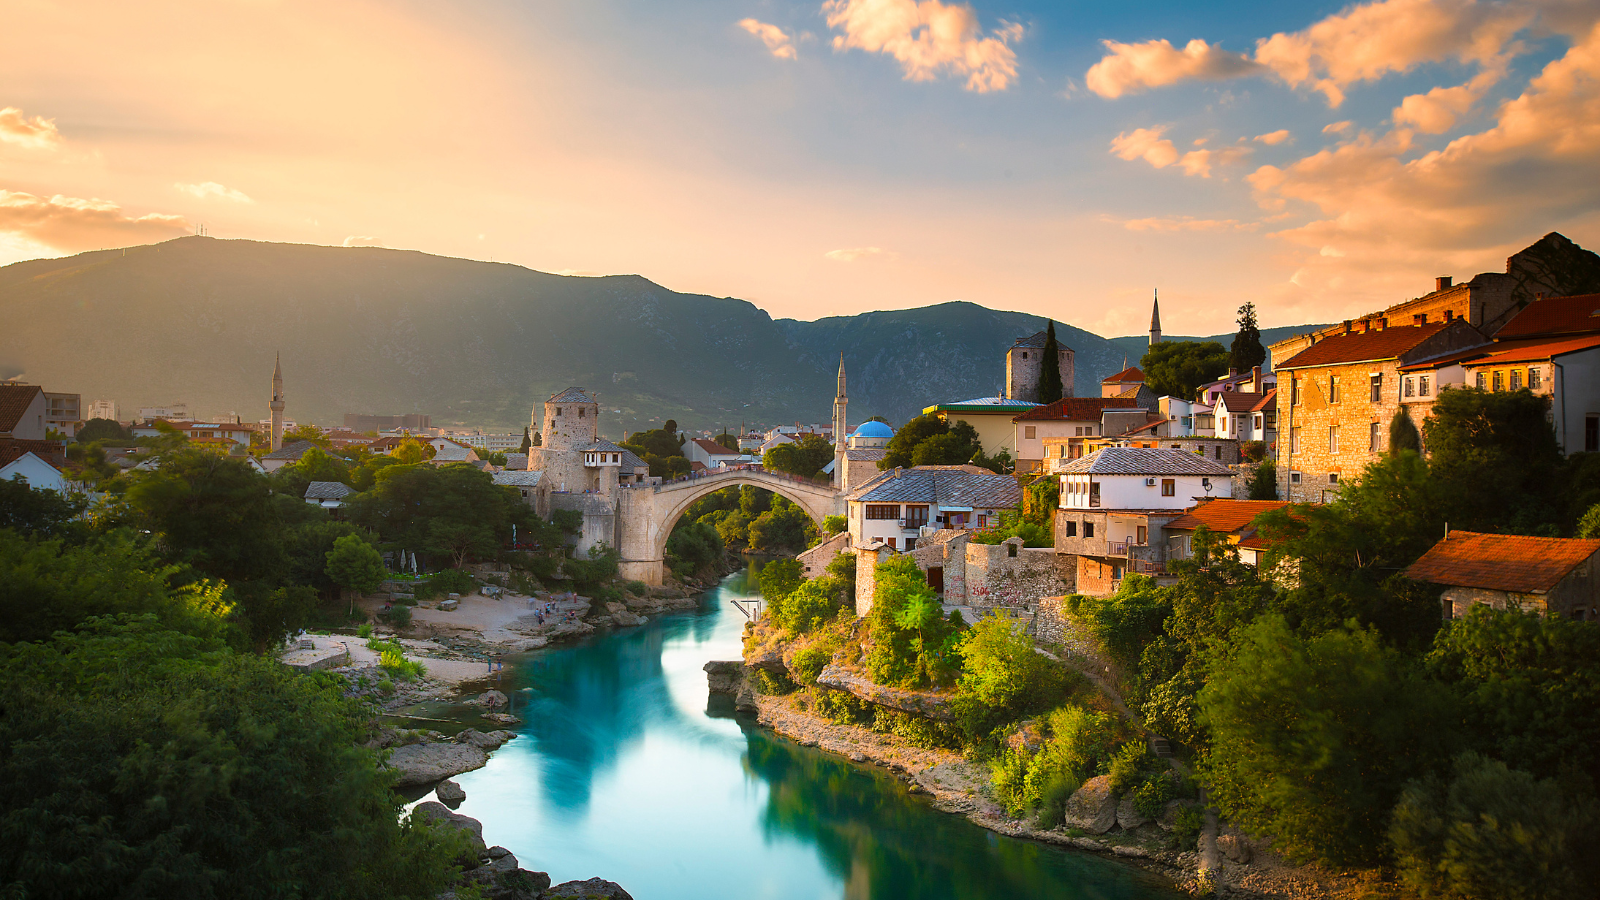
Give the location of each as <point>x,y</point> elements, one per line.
<point>1119,548</point>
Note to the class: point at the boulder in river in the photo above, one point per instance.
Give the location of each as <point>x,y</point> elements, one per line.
<point>1093,807</point>
<point>440,814</point>
<point>484,741</point>
<point>491,700</point>
<point>724,676</point>
<point>1128,815</point>
<point>450,793</point>
<point>428,762</point>
<point>593,889</point>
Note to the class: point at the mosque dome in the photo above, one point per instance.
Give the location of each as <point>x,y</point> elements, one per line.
<point>873,430</point>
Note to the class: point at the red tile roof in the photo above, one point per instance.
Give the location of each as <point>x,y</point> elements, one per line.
<point>1074,409</point>
<point>1502,562</point>
<point>1224,516</point>
<point>1556,315</point>
<point>1239,401</point>
<point>713,448</point>
<point>1532,352</point>
<point>1131,373</point>
<point>1267,400</point>
<point>14,401</point>
<point>1388,343</point>
<point>52,452</point>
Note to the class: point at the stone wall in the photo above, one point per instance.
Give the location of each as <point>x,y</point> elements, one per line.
<point>1321,468</point>
<point>1050,620</point>
<point>867,559</point>
<point>814,562</point>
<point>946,549</point>
<point>1008,574</point>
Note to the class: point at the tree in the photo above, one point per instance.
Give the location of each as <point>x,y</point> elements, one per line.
<point>497,459</point>
<point>315,464</point>
<point>784,527</point>
<point>104,431</point>
<point>1589,524</point>
<point>412,451</point>
<point>1493,831</point>
<point>354,565</point>
<point>898,452</point>
<point>729,441</point>
<point>1002,678</point>
<point>777,580</point>
<point>1403,433</point>
<point>36,511</point>
<point>214,513</point>
<point>1050,388</point>
<point>1496,460</point>
<point>670,426</point>
<point>527,441</point>
<point>1178,368</point>
<point>832,525</point>
<point>1264,483</point>
<point>804,458</point>
<point>1247,352</point>
<point>307,433</point>
<point>447,509</point>
<point>1312,739</point>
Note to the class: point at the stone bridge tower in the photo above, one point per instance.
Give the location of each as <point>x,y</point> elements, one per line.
<point>571,422</point>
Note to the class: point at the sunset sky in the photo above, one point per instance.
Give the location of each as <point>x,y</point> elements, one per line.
<point>819,158</point>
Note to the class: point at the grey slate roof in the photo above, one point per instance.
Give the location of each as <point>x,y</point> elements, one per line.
<point>517,478</point>
<point>1143,461</point>
<point>571,395</point>
<point>942,485</point>
<point>328,490</point>
<point>517,461</point>
<point>601,447</point>
<point>455,453</point>
<point>866,454</point>
<point>1037,340</point>
<point>290,451</point>
<point>629,461</point>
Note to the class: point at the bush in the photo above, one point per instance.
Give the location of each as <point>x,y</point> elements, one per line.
<point>386,686</point>
<point>1008,779</point>
<point>364,631</point>
<point>1152,796</point>
<point>809,662</point>
<point>1129,619</point>
<point>1053,797</point>
<point>841,707</point>
<point>1130,764</point>
<point>1002,679</point>
<point>915,730</point>
<point>773,684</point>
<point>398,616</point>
<point>394,662</point>
<point>1186,827</point>
<point>637,588</point>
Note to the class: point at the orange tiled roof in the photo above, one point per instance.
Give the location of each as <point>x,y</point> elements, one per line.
<point>1224,516</point>
<point>1075,409</point>
<point>1358,346</point>
<point>1579,314</point>
<point>1502,562</point>
<point>1131,373</point>
<point>14,401</point>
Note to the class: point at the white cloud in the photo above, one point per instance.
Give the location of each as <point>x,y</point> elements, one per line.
<point>1131,68</point>
<point>362,240</point>
<point>72,224</point>
<point>1336,127</point>
<point>927,38</point>
<point>1273,138</point>
<point>778,43</point>
<point>854,253</point>
<point>1437,111</point>
<point>1187,223</point>
<point>211,189</point>
<point>37,133</point>
<point>1149,145</point>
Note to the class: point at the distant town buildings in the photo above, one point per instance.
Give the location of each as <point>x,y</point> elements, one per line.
<point>413,422</point>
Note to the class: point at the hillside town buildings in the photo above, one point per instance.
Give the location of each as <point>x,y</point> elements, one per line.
<point>1549,576</point>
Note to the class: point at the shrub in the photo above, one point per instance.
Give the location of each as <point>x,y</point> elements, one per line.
<point>395,663</point>
<point>915,730</point>
<point>453,581</point>
<point>773,684</point>
<point>1008,777</point>
<point>1002,679</point>
<point>1053,797</point>
<point>364,631</point>
<point>1186,827</point>
<point>1129,766</point>
<point>840,707</point>
<point>637,588</point>
<point>809,662</point>
<point>1152,796</point>
<point>386,686</point>
<point>398,616</point>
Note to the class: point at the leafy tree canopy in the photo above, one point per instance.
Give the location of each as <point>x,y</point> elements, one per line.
<point>1247,351</point>
<point>1178,368</point>
<point>104,431</point>
<point>804,458</point>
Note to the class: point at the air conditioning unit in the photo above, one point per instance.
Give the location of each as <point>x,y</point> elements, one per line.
<point>903,524</point>
<point>1149,482</point>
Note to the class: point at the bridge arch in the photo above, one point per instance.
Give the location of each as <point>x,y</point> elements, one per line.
<point>649,512</point>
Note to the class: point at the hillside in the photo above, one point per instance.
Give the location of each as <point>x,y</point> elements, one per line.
<point>389,331</point>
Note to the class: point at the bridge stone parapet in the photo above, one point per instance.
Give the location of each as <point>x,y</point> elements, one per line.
<point>647,512</point>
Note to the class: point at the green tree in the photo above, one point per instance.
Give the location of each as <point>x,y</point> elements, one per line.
<point>1589,524</point>
<point>1313,738</point>
<point>455,510</point>
<point>1247,352</point>
<point>1495,460</point>
<point>527,441</point>
<point>953,448</point>
<point>1002,679</point>
<point>1403,434</point>
<point>832,525</point>
<point>904,443</point>
<point>729,441</point>
<point>308,433</point>
<point>1493,831</point>
<point>103,431</point>
<point>315,464</point>
<point>355,565</point>
<point>1178,368</point>
<point>784,527</point>
<point>36,511</point>
<point>777,580</point>
<point>212,512</point>
<point>1050,387</point>
<point>804,458</point>
<point>146,763</point>
<point>1264,483</point>
<point>412,451</point>
<point>909,648</point>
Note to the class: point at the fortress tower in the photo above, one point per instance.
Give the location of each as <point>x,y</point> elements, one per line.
<point>1025,367</point>
<point>277,403</point>
<point>571,420</point>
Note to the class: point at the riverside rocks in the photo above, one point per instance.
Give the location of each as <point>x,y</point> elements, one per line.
<point>438,813</point>
<point>485,741</point>
<point>496,875</point>
<point>490,700</point>
<point>450,793</point>
<point>1093,807</point>
<point>425,763</point>
<point>918,703</point>
<point>1128,815</point>
<point>724,676</point>
<point>593,889</point>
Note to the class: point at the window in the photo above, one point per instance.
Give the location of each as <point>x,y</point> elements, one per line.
<point>580,412</point>
<point>1258,421</point>
<point>1499,380</point>
<point>1069,529</point>
<point>1480,381</point>
<point>1219,452</point>
<point>891,543</point>
<point>1094,493</point>
<point>558,410</point>
<point>1294,392</point>
<point>1294,439</point>
<point>1533,377</point>
<point>911,544</point>
<point>1088,529</point>
<point>1333,439</point>
<point>1407,385</point>
<point>1591,434</point>
<point>1375,442</point>
<point>1377,387</point>
<point>1333,389</point>
<point>879,511</point>
<point>1516,379</point>
<point>1422,385</point>
<point>983,521</point>
<point>916,516</point>
<point>1169,487</point>
<point>1333,477</point>
<point>1030,432</point>
<point>1141,535</point>
<point>1294,477</point>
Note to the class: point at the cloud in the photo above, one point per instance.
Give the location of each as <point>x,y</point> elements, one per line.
<point>1336,128</point>
<point>212,189</point>
<point>1131,68</point>
<point>927,38</point>
<point>1437,111</point>
<point>1187,223</point>
<point>854,253</point>
<point>779,44</point>
<point>362,240</point>
<point>1273,138</point>
<point>1149,145</point>
<point>72,224</point>
<point>1473,201</point>
<point>18,130</point>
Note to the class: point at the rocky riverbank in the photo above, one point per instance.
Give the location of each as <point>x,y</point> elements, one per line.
<point>493,873</point>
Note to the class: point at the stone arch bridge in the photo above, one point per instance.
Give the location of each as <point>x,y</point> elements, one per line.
<point>646,513</point>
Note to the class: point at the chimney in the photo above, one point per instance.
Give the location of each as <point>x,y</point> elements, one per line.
<point>1442,282</point>
<point>1383,323</point>
<point>1449,315</point>
<point>1255,380</point>
<point>1538,295</point>
<point>1419,319</point>
<point>1233,373</point>
<point>1346,326</point>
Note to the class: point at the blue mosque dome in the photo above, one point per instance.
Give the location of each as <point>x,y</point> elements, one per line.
<point>873,430</point>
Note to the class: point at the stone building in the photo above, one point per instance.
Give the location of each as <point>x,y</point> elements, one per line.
<point>1063,425</point>
<point>1337,396</point>
<point>1118,385</point>
<point>1550,576</point>
<point>1025,368</point>
<point>899,506</point>
<point>578,470</point>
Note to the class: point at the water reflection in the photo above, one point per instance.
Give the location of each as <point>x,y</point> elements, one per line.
<point>624,770</point>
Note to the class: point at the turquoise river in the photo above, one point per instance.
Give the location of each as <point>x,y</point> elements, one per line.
<point>623,770</point>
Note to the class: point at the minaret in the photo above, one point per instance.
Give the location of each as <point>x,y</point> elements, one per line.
<point>840,439</point>
<point>277,403</point>
<point>1155,320</point>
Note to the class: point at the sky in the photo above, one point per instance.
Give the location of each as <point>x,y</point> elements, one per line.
<point>828,158</point>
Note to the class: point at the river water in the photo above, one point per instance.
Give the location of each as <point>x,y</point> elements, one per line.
<point>622,772</point>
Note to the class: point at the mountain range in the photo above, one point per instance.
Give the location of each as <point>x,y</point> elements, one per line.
<point>370,330</point>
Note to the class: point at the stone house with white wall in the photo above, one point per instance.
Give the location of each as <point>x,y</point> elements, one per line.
<point>1550,576</point>
<point>1064,425</point>
<point>899,505</point>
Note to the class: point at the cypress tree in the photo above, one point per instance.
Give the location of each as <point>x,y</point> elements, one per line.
<point>1050,389</point>
<point>1247,352</point>
<point>527,440</point>
<point>1403,433</point>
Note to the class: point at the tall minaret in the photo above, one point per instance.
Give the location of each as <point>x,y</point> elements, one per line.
<point>1155,320</point>
<point>277,403</point>
<point>840,438</point>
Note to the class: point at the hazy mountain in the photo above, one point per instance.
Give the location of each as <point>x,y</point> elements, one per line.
<point>389,331</point>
